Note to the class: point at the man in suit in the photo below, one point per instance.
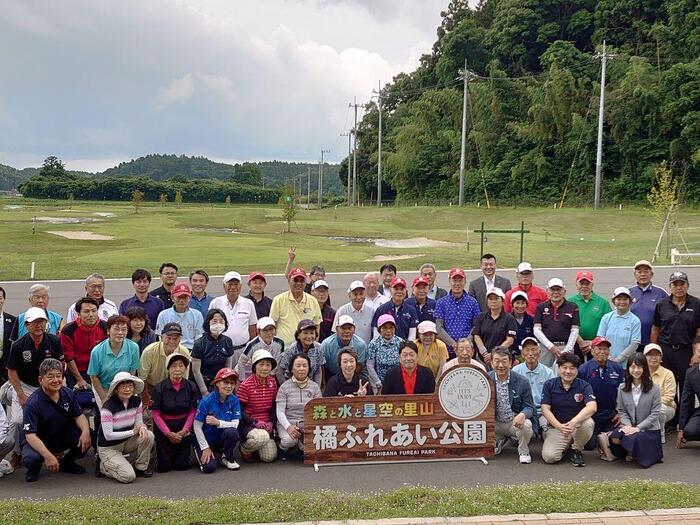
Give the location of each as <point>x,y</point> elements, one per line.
<point>514,405</point>
<point>688,415</point>
<point>7,325</point>
<point>409,377</point>
<point>487,282</point>
<point>387,273</point>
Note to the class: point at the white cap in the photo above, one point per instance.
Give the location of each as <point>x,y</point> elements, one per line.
<point>524,267</point>
<point>232,275</point>
<point>345,319</point>
<point>264,322</point>
<point>34,313</point>
<point>425,327</point>
<point>355,285</point>
<point>519,295</point>
<point>496,291</point>
<point>653,346</point>
<point>554,282</point>
<point>621,290</point>
<point>319,283</point>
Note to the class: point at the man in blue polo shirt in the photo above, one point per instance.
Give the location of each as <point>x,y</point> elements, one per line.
<point>605,377</point>
<point>424,305</point>
<point>645,297</point>
<point>141,280</point>
<point>405,315</point>
<point>568,403</point>
<point>53,424</point>
<point>455,313</point>
<point>189,319</point>
<point>199,279</point>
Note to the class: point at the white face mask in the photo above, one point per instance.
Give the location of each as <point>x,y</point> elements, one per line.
<point>217,329</point>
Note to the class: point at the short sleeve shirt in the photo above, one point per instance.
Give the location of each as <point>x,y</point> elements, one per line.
<point>494,331</point>
<point>287,312</point>
<point>590,313</point>
<point>677,327</point>
<point>105,365</point>
<point>362,317</point>
<point>49,420</point>
<point>644,301</point>
<point>25,357</point>
<point>535,296</point>
<point>458,315</point>
<point>385,354</point>
<point>557,321</point>
<point>605,382</point>
<point>152,306</point>
<point>213,354</point>
<point>566,404</point>
<point>426,311</point>
<point>406,317</point>
<point>239,315</point>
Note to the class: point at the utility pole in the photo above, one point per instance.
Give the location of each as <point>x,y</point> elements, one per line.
<point>379,147</point>
<point>349,136</point>
<point>462,158</point>
<point>599,153</point>
<point>308,188</point>
<point>320,179</point>
<point>355,193</point>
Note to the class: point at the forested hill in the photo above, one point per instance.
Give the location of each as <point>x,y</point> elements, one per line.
<point>534,87</point>
<point>11,178</point>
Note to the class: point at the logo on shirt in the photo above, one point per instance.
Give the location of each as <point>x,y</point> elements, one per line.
<point>578,397</point>
<point>66,407</point>
<point>27,356</point>
<point>26,426</point>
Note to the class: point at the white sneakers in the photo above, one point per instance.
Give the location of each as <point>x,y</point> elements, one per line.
<point>5,468</point>
<point>525,459</point>
<point>231,465</point>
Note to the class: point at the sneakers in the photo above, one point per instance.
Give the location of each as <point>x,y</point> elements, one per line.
<point>6,468</point>
<point>525,459</point>
<point>31,476</point>
<point>498,446</point>
<point>143,473</point>
<point>229,464</point>
<point>577,458</point>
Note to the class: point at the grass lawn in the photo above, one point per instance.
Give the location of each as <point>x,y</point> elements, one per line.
<point>328,505</point>
<point>187,235</point>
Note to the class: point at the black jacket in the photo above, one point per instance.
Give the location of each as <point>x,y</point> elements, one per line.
<point>393,381</point>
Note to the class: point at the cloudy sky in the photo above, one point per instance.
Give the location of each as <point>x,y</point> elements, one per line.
<point>96,82</point>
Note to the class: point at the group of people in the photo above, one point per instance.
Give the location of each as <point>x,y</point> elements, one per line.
<point>174,376</point>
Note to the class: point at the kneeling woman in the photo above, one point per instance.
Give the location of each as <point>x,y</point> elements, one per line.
<point>292,397</point>
<point>175,402</point>
<point>257,395</point>
<point>122,431</point>
<point>409,377</point>
<point>638,405</point>
<point>216,423</point>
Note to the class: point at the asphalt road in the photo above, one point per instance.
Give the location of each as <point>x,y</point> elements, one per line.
<point>64,293</point>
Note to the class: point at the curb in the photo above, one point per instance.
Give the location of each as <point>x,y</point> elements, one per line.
<point>555,516</point>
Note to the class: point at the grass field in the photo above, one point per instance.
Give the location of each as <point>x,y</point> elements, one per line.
<point>329,505</point>
<point>187,235</point>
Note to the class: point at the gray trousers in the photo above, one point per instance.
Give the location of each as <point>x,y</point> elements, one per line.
<point>523,435</point>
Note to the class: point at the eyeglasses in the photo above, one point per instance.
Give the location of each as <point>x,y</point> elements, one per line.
<point>120,328</point>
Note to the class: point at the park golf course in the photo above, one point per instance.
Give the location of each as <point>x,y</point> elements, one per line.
<point>70,239</point>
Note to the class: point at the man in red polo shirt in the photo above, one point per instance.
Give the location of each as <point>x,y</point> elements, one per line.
<point>535,294</point>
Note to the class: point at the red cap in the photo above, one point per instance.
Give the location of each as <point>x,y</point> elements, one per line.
<point>224,373</point>
<point>420,280</point>
<point>456,272</point>
<point>256,275</point>
<point>398,281</point>
<point>297,272</point>
<point>600,340</point>
<point>584,275</point>
<point>181,289</point>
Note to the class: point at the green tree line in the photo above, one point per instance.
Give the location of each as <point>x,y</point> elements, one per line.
<point>534,91</point>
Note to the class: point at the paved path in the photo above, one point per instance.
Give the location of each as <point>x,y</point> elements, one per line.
<point>64,293</point>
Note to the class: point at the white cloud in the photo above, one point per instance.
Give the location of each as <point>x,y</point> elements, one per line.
<point>178,90</point>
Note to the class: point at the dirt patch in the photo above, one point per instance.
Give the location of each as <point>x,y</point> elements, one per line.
<point>105,214</point>
<point>13,207</point>
<point>82,236</point>
<point>416,242</point>
<point>66,220</point>
<point>215,230</point>
<point>379,258</point>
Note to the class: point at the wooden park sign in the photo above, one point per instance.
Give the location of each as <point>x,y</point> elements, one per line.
<point>454,423</point>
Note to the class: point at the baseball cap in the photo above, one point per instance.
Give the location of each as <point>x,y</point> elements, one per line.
<point>231,276</point>
<point>600,340</point>
<point>297,272</point>
<point>224,373</point>
<point>172,329</point>
<point>304,324</point>
<point>524,267</point>
<point>181,289</point>
<point>398,281</point>
<point>34,313</point>
<point>584,275</point>
<point>496,291</point>
<point>256,275</point>
<point>319,283</point>
<point>519,295</point>
<point>456,272</point>
<point>426,327</point>
<point>177,357</point>
<point>528,340</point>
<point>678,276</point>
<point>345,319</point>
<point>643,262</point>
<point>356,285</point>
<point>553,283</point>
<point>420,280</point>
<point>386,318</point>
<point>652,346</point>
<point>264,322</point>
<point>621,290</point>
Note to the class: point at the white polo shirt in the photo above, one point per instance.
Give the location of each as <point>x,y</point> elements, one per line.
<point>239,315</point>
<point>362,317</point>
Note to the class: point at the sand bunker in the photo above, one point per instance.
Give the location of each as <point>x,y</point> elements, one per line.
<point>83,236</point>
<point>13,207</point>
<point>416,242</point>
<point>215,230</point>
<point>66,220</point>
<point>379,258</point>
<point>106,214</point>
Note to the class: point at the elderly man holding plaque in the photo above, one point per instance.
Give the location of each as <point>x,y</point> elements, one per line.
<point>514,405</point>
<point>409,377</point>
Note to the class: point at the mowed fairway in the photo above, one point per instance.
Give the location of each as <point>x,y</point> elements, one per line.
<point>187,235</point>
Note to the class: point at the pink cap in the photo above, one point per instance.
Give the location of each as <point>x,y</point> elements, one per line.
<point>386,318</point>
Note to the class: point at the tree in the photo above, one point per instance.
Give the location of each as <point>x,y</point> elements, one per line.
<point>163,199</point>
<point>71,201</point>
<point>663,196</point>
<point>178,197</point>
<point>137,198</point>
<point>228,199</point>
<point>53,168</point>
<point>290,207</point>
